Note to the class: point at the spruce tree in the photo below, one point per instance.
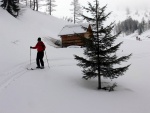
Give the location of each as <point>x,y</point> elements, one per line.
<point>100,51</point>
<point>11,6</point>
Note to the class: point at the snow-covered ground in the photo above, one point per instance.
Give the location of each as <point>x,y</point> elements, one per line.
<point>60,88</point>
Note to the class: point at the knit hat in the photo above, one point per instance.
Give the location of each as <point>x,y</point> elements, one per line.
<point>39,39</point>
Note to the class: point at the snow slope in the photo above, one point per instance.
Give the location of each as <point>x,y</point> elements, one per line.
<point>61,88</point>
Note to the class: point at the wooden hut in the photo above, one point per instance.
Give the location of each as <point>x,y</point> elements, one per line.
<point>69,35</point>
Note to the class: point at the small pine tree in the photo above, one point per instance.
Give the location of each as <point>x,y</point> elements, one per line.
<point>100,50</point>
<point>77,11</point>
<point>140,28</point>
<point>50,6</point>
<point>128,11</point>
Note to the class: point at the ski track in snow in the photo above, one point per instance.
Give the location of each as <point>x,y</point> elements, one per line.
<point>10,76</point>
<point>7,78</point>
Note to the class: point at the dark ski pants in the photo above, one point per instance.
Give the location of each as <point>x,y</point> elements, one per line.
<point>39,59</point>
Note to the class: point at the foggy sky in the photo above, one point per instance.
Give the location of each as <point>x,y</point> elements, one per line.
<point>63,6</point>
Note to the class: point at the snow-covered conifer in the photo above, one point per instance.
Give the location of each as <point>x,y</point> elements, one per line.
<point>100,51</point>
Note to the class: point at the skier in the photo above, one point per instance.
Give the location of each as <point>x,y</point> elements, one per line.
<point>40,46</point>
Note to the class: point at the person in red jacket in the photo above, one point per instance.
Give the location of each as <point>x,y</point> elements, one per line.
<point>40,46</point>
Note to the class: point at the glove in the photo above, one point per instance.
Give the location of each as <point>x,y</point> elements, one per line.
<point>30,47</point>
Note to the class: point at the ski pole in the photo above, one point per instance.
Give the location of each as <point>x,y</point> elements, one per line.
<point>30,56</point>
<point>47,59</point>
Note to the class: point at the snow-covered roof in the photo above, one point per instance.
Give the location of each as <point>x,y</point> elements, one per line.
<point>72,29</point>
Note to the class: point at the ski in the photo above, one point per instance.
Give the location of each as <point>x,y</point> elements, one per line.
<point>33,68</point>
<point>30,69</point>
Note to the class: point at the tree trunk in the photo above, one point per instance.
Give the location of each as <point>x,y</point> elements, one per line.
<point>26,3</point>
<point>6,4</point>
<point>50,7</point>
<point>37,5</point>
<point>30,3</point>
<point>98,62</point>
<point>33,4</point>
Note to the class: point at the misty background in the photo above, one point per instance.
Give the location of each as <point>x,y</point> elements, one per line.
<point>63,7</point>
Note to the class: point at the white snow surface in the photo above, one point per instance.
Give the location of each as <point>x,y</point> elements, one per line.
<point>60,88</point>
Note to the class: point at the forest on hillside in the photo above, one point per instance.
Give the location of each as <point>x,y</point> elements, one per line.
<point>127,27</point>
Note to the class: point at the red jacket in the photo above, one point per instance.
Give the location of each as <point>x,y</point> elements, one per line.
<point>39,46</point>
